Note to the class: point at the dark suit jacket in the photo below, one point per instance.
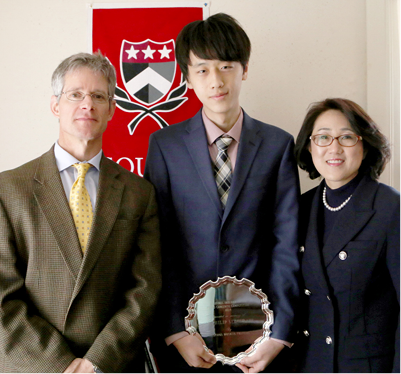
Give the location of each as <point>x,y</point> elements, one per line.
<point>354,301</point>
<point>254,237</point>
<point>55,303</point>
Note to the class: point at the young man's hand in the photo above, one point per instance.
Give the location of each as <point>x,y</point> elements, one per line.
<point>192,350</point>
<point>264,355</point>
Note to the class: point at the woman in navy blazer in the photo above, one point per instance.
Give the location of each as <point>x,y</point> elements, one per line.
<point>351,250</point>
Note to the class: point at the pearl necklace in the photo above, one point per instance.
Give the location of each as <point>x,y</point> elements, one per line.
<point>331,208</point>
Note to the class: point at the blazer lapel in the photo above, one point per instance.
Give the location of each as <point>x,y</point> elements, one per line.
<point>350,222</point>
<point>50,196</point>
<point>110,192</point>
<point>312,255</point>
<point>196,142</point>
<point>247,150</point>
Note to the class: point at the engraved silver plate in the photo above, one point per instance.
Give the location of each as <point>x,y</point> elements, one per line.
<point>232,316</point>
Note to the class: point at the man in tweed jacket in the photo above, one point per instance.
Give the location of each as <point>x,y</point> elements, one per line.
<point>62,309</point>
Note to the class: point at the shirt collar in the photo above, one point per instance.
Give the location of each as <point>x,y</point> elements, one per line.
<point>64,160</point>
<point>213,132</point>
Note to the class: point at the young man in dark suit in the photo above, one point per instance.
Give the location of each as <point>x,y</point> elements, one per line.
<point>227,186</point>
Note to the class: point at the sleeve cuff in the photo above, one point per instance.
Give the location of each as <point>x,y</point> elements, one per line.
<point>172,338</point>
<point>287,344</point>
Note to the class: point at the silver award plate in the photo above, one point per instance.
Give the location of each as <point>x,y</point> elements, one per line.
<point>232,316</point>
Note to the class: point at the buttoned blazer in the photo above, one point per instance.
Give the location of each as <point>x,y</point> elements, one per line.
<point>255,236</point>
<point>57,304</point>
<point>351,299</point>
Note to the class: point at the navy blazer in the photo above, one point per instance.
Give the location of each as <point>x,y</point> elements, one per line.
<point>255,236</point>
<point>351,296</point>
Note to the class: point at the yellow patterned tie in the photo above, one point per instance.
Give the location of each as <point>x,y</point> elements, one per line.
<point>81,206</point>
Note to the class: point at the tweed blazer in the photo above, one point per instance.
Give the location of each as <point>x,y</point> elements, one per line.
<point>57,304</point>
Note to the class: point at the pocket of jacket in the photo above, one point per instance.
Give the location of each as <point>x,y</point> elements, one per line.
<point>255,182</point>
<point>361,244</point>
<point>369,345</point>
<point>125,224</point>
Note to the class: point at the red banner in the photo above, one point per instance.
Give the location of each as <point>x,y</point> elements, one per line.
<point>139,40</point>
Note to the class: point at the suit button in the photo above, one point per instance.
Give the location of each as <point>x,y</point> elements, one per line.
<point>329,340</point>
<point>301,249</point>
<point>307,292</point>
<point>306,332</point>
<point>328,298</point>
<point>343,255</point>
<point>224,248</point>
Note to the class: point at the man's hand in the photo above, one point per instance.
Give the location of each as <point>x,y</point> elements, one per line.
<point>264,355</point>
<point>192,350</point>
<point>80,365</point>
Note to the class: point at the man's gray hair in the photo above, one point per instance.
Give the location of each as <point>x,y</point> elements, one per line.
<point>96,62</point>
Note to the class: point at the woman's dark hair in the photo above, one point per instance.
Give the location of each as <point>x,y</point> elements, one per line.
<point>375,144</point>
<point>219,37</point>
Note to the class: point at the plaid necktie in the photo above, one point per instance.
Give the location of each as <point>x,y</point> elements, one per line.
<point>222,168</point>
<point>81,206</point>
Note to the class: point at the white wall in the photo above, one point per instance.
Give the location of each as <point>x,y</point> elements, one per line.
<point>303,51</point>
<point>383,76</point>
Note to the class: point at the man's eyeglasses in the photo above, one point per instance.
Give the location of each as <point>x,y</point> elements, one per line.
<point>346,140</point>
<point>97,98</point>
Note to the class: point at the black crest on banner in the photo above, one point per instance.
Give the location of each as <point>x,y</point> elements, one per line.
<point>148,70</point>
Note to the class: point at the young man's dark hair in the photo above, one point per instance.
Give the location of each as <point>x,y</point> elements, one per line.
<point>219,37</point>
